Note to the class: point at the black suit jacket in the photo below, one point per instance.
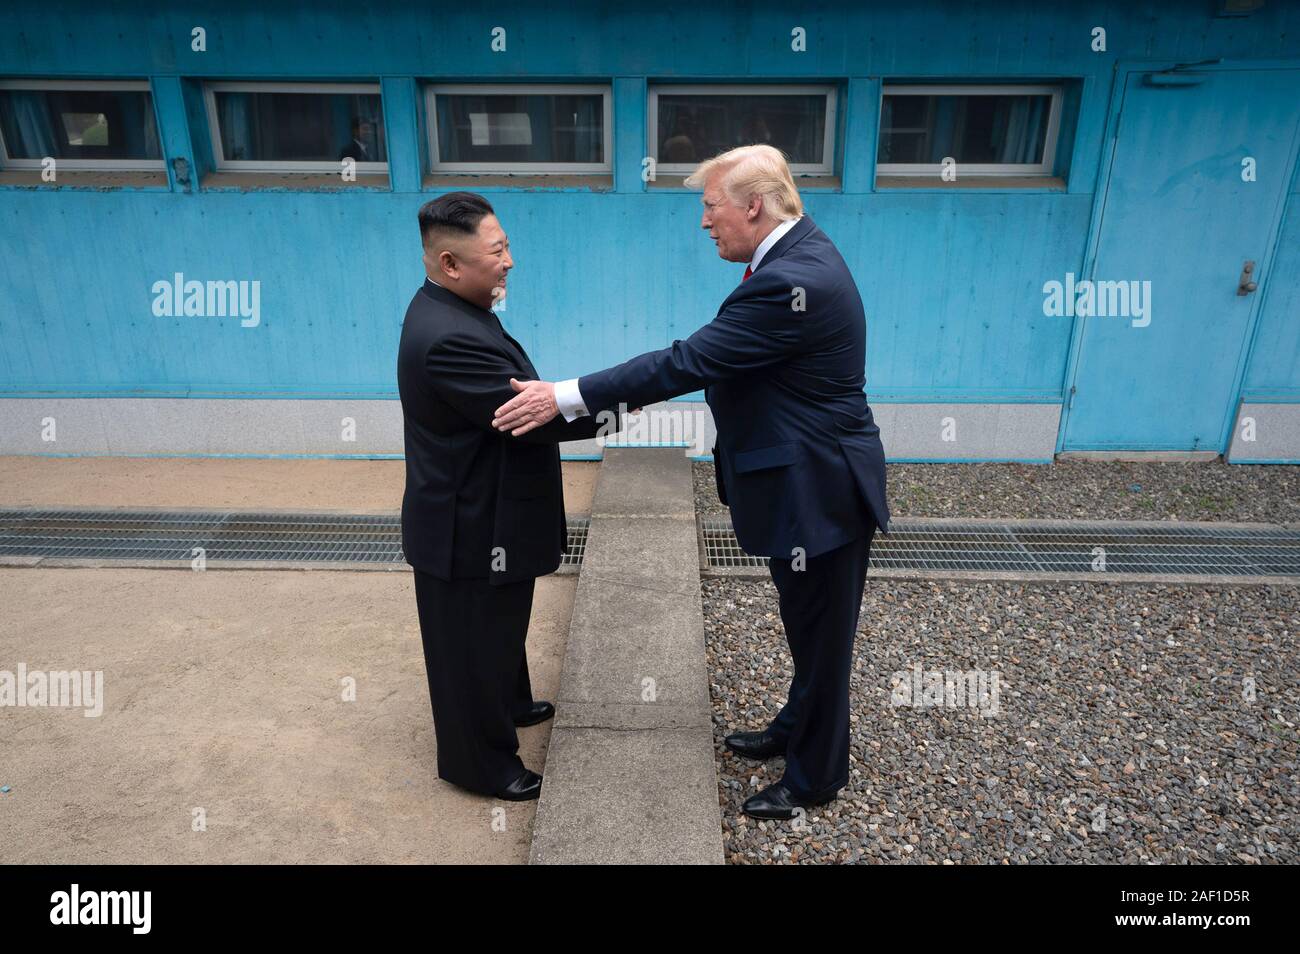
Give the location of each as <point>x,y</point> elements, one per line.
<point>355,150</point>
<point>478,503</point>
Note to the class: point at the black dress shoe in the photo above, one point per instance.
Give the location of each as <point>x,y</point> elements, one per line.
<point>523,789</point>
<point>756,745</point>
<point>776,801</point>
<point>540,712</point>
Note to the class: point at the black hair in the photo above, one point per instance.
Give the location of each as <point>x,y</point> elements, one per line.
<point>454,212</point>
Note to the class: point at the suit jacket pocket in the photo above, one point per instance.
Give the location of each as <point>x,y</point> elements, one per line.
<point>763,458</point>
<point>865,457</point>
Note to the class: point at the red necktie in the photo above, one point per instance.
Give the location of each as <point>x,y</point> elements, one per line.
<point>748,271</point>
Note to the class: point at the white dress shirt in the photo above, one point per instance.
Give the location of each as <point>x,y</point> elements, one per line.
<point>568,398</point>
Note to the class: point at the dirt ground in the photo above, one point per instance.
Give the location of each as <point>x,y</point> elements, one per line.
<point>212,483</point>
<point>224,694</point>
<point>225,734</point>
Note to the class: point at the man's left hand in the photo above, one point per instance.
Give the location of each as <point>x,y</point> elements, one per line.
<point>532,407</point>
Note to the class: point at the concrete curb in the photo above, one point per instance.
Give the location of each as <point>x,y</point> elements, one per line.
<point>630,776</point>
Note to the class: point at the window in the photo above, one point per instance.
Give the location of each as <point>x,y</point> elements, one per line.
<point>83,125</point>
<point>689,124</point>
<point>296,127</point>
<point>519,129</point>
<point>987,130</point>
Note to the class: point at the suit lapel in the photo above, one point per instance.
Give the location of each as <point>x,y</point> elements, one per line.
<point>519,349</point>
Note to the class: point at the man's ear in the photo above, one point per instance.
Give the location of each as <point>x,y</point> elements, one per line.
<point>447,264</point>
<point>755,208</point>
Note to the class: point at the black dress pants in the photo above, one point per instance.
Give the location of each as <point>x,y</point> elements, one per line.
<point>473,636</point>
<point>819,607</point>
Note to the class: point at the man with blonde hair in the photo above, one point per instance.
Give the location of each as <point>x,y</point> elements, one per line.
<point>798,456</point>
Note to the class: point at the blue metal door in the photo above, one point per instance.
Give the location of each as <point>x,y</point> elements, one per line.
<point>1182,212</point>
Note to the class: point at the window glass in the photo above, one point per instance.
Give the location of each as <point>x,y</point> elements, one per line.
<point>693,127</point>
<point>971,129</point>
<point>275,126</point>
<point>78,124</point>
<point>509,128</point>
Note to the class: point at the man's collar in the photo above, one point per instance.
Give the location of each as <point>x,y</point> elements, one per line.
<point>773,237</point>
<point>445,294</point>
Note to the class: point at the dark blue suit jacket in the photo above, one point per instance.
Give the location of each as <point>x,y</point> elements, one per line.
<point>798,457</point>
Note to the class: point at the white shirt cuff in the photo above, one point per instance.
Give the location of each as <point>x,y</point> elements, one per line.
<point>569,400</point>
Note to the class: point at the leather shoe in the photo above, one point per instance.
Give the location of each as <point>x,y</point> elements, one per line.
<point>756,745</point>
<point>776,801</point>
<point>540,712</point>
<point>523,789</point>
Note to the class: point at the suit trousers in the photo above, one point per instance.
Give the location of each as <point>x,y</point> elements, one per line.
<point>820,605</point>
<point>473,635</point>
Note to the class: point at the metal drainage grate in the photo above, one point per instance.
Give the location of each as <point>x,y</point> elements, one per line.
<point>152,535</point>
<point>578,527</point>
<point>1052,548</point>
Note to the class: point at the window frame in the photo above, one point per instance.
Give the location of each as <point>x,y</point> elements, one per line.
<point>91,165</point>
<point>222,164</point>
<point>437,167</point>
<point>830,117</point>
<point>1045,168</point>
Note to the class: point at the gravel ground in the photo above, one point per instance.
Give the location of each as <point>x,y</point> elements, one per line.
<point>1076,489</point>
<point>1122,732</point>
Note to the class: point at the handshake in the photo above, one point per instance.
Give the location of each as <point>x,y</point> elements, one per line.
<point>533,405</point>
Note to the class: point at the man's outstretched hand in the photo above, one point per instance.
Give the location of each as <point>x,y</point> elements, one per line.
<point>532,407</point>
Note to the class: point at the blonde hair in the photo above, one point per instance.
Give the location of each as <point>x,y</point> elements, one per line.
<point>753,170</point>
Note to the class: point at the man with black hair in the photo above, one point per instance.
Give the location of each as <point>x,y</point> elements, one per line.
<point>483,512</point>
<point>359,149</point>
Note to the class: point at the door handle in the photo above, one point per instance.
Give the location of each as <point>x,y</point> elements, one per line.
<point>1246,284</point>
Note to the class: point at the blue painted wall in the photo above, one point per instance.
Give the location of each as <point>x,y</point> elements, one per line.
<point>1273,374</point>
<point>951,281</point>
